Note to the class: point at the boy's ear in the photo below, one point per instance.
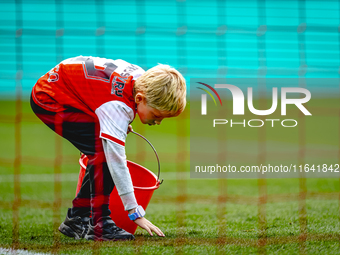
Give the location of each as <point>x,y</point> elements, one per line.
<point>139,98</point>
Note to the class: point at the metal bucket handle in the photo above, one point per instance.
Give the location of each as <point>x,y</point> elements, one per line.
<point>159,165</point>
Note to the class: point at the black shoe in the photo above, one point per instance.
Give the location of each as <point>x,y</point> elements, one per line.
<point>106,230</point>
<point>75,227</point>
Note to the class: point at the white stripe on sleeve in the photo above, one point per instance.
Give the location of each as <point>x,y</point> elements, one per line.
<point>114,118</point>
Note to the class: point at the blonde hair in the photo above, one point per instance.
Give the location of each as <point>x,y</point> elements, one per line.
<point>164,88</point>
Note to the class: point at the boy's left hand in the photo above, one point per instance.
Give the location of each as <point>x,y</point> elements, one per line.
<point>148,226</point>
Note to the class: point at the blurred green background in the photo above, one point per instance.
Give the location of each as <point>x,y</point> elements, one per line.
<point>201,38</point>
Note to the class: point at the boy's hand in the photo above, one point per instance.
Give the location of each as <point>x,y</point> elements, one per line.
<point>148,226</point>
<point>129,129</point>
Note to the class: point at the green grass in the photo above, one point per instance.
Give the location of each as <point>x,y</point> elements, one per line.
<point>200,224</point>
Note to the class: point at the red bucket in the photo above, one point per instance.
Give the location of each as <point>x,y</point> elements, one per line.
<point>144,183</point>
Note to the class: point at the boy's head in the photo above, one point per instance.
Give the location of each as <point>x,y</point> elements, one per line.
<point>159,93</point>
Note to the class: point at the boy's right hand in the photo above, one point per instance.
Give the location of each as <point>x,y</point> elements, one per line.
<point>148,226</point>
<point>129,129</point>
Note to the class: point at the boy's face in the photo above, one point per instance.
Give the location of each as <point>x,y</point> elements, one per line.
<point>149,115</point>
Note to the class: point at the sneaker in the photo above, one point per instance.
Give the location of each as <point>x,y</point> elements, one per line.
<point>106,230</point>
<point>75,227</point>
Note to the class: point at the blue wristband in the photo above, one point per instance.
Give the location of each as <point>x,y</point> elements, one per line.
<point>138,214</point>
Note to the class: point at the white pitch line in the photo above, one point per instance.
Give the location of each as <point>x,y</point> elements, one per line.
<point>5,178</point>
<point>39,177</point>
<point>4,251</point>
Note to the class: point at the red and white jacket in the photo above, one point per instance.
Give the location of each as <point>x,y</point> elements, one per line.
<point>102,88</point>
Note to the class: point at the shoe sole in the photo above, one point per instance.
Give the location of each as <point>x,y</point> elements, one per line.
<point>95,238</point>
<point>67,231</point>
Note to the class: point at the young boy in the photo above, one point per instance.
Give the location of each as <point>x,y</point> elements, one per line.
<point>91,102</point>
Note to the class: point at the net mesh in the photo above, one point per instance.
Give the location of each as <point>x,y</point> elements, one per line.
<point>201,39</point>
